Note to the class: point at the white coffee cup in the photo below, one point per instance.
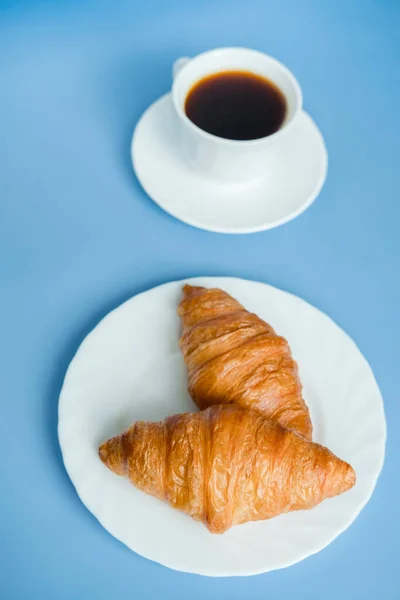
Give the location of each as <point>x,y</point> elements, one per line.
<point>218,158</point>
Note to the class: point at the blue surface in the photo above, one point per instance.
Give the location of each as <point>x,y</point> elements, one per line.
<point>78,236</point>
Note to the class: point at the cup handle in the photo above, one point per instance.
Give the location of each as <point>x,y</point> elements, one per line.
<point>178,65</point>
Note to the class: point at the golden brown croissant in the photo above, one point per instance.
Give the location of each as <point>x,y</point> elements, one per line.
<point>232,356</point>
<point>226,465</point>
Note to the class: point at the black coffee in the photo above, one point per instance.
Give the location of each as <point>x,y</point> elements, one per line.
<point>237,105</point>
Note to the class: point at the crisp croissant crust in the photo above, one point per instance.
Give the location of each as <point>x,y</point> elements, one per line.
<point>226,465</point>
<point>233,357</point>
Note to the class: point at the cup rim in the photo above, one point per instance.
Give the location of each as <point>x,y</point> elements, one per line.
<point>210,136</point>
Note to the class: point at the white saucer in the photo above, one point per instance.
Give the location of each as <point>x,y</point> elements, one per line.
<point>292,181</point>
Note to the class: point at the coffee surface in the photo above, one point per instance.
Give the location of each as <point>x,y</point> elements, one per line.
<point>236,105</point>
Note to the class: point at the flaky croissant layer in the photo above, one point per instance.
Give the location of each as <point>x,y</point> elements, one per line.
<point>226,465</point>
<point>234,357</point>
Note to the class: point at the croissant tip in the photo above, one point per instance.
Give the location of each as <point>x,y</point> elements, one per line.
<point>191,290</point>
<point>110,455</point>
<point>104,453</point>
<point>350,478</point>
<point>345,481</point>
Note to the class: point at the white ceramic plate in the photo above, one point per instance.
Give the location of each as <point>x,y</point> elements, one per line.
<point>291,181</point>
<point>130,367</point>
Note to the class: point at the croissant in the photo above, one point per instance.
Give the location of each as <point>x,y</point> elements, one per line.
<point>226,465</point>
<point>232,356</point>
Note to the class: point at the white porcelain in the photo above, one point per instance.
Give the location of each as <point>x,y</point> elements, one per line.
<point>222,185</point>
<point>222,159</point>
<point>290,182</point>
<point>130,367</point>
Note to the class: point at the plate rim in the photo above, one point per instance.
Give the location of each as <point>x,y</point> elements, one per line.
<point>222,573</point>
<point>196,223</point>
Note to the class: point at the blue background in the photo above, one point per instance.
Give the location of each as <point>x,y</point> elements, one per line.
<point>78,236</point>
